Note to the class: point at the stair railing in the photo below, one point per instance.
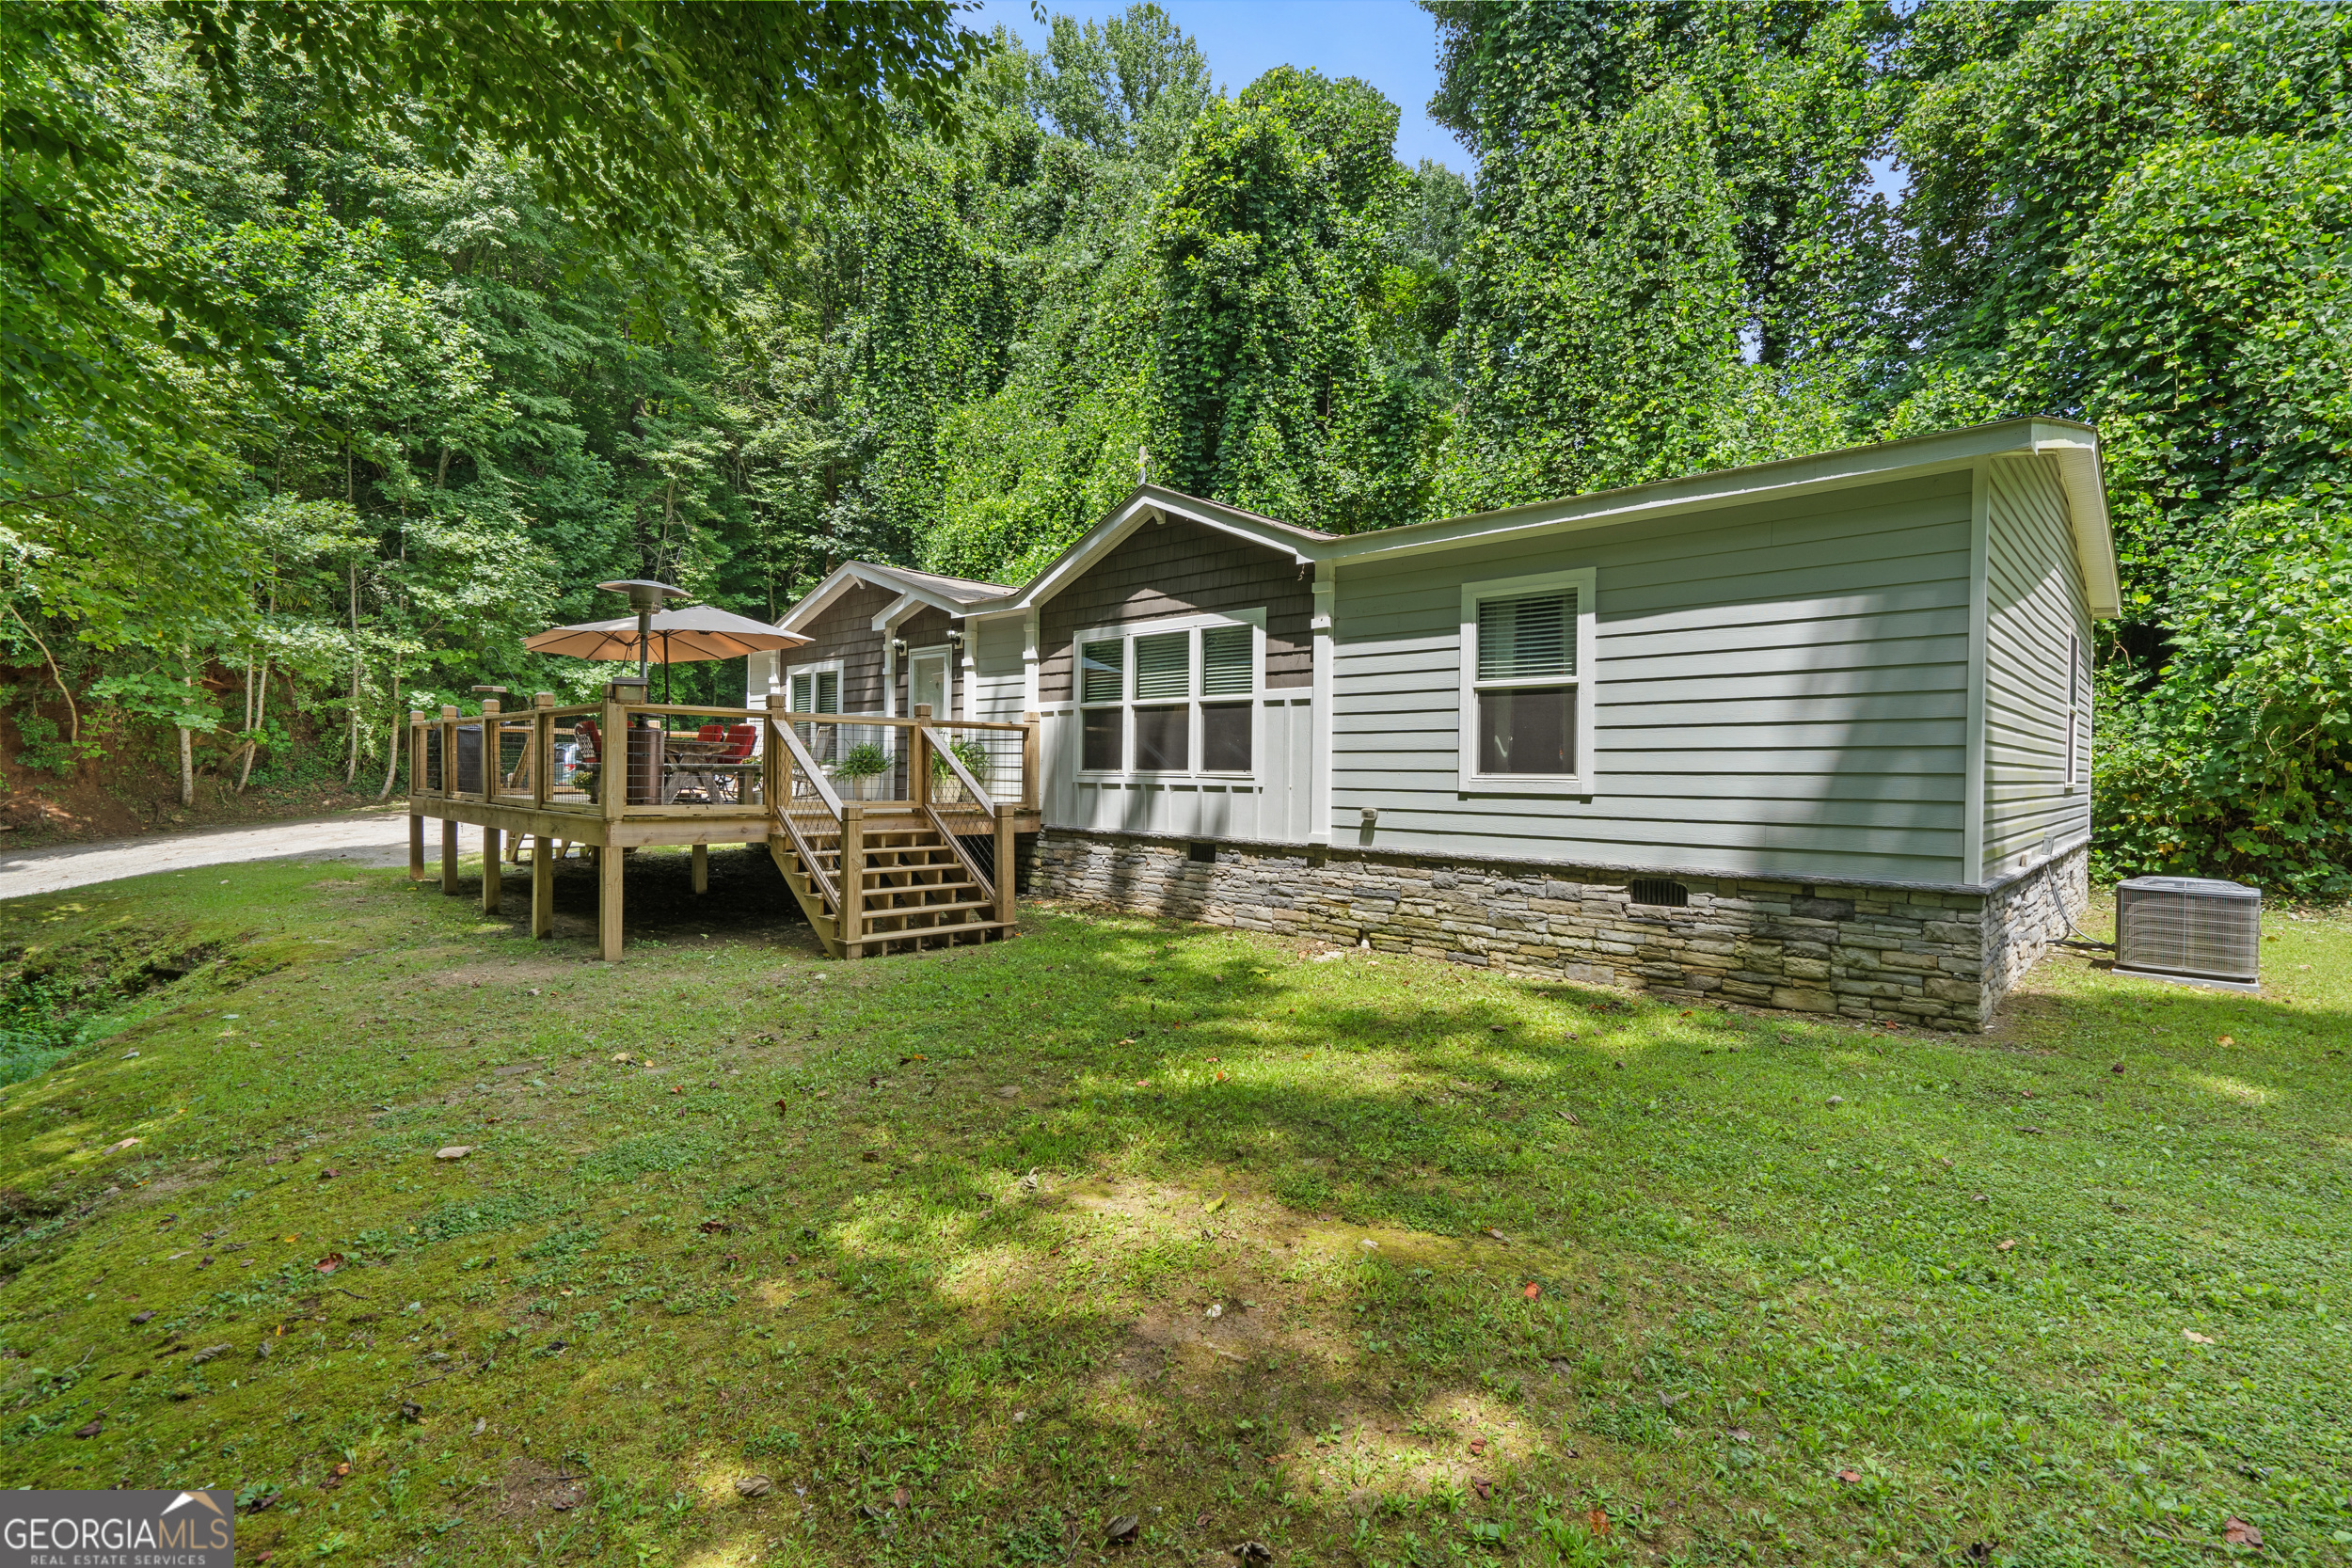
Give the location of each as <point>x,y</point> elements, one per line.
<point>998,888</point>
<point>805,800</point>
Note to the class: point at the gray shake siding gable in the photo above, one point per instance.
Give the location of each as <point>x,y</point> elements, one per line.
<point>844,630</point>
<point>1172,568</point>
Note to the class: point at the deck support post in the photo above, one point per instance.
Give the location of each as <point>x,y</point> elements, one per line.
<point>493,886</point>
<point>609,864</point>
<point>702,868</point>
<point>853,872</point>
<point>542,887</point>
<point>416,848</point>
<point>448,855</point>
<point>1005,810</point>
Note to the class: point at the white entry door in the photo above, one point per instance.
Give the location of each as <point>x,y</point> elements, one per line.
<point>927,682</point>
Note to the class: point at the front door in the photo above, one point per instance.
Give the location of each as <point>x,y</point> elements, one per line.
<point>927,682</point>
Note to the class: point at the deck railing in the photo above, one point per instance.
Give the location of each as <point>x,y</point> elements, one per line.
<point>625,759</point>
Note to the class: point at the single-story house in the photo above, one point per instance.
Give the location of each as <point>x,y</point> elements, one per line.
<point>1812,734</point>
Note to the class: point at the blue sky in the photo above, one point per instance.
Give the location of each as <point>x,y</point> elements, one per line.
<point>1391,43</point>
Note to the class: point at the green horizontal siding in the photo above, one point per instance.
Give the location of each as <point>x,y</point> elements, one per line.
<point>1780,688</point>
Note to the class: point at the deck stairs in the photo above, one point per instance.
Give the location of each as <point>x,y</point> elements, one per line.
<point>920,887</point>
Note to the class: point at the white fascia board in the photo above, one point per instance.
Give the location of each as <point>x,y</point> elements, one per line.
<point>813,603</point>
<point>894,609</point>
<point>2083,478</point>
<point>1151,503</point>
<point>1951,451</point>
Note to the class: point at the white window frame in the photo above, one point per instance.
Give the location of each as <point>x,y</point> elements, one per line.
<point>947,657</point>
<point>817,667</point>
<point>2075,692</point>
<point>1586,682</point>
<point>1195,625</point>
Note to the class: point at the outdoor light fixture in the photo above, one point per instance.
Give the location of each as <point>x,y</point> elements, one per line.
<point>644,596</point>
<point>955,634</point>
<point>897,644</point>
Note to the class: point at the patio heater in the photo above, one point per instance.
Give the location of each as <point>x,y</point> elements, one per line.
<point>646,596</point>
<point>645,735</point>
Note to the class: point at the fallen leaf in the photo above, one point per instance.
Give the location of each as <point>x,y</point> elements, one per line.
<point>2226,1041</point>
<point>454,1151</point>
<point>205,1354</point>
<point>1742,1434</point>
<point>1483,1487</point>
<point>714,1227</point>
<point>1499,1237</point>
<point>898,1496</point>
<point>92,1430</point>
<point>753,1486</point>
<point>2237,1532</point>
<point>142,1316</point>
<point>2116,1068</point>
<point>1250,1551</point>
<point>118,1147</point>
<point>917,1057</point>
<point>342,1469</point>
<point>1478,1446</point>
<point>1121,1530</point>
<point>1850,1477</point>
<point>329,1174</point>
<point>1533,1291</point>
<point>2008,1245</point>
<point>1836,1100</point>
<point>330,1264</point>
<point>1596,1520</point>
<point>411,1411</point>
<point>2196,1339</point>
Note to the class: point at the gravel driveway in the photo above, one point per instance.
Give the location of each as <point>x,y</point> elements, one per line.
<point>372,838</point>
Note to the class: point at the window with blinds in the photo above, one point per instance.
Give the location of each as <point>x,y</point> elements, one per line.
<point>1162,701</point>
<point>1526,717</point>
<point>1103,670</point>
<point>1527,637</point>
<point>1226,664</point>
<point>816,692</point>
<point>1164,666</point>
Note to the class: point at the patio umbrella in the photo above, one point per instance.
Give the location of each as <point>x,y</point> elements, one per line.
<point>668,637</point>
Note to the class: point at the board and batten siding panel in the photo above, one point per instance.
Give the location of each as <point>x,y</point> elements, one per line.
<point>844,629</point>
<point>999,688</point>
<point>1178,567</point>
<point>2036,616</point>
<point>1781,690</point>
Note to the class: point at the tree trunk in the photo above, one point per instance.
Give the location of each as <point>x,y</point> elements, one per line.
<point>260,703</point>
<point>351,768</point>
<point>391,756</point>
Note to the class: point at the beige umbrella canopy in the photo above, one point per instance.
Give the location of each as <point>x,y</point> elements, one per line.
<point>666,637</point>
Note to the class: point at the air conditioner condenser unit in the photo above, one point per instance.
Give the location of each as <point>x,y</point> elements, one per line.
<point>2192,930</point>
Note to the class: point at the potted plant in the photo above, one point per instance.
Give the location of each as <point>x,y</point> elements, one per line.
<point>859,772</point>
<point>946,786</point>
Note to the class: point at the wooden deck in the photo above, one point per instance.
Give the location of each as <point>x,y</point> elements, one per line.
<point>872,875</point>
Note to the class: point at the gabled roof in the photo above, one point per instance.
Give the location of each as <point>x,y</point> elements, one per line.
<point>2075,447</point>
<point>1143,504</point>
<point>956,596</point>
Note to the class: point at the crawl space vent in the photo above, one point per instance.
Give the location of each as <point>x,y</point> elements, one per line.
<point>1658,891</point>
<point>2189,928</point>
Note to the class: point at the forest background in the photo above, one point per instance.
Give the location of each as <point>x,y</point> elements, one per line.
<point>369,380</point>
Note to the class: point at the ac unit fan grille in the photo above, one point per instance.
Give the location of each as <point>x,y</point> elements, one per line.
<point>2190,926</point>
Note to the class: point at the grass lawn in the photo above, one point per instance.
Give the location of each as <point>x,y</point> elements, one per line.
<point>1198,1236</point>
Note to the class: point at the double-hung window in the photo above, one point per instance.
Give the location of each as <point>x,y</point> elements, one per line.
<point>1527,685</point>
<point>815,689</point>
<point>1173,696</point>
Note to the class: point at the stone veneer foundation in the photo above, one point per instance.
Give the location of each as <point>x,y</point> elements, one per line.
<point>1939,956</point>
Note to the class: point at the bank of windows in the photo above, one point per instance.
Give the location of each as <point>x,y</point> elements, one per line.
<point>1169,701</point>
<point>1526,686</point>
